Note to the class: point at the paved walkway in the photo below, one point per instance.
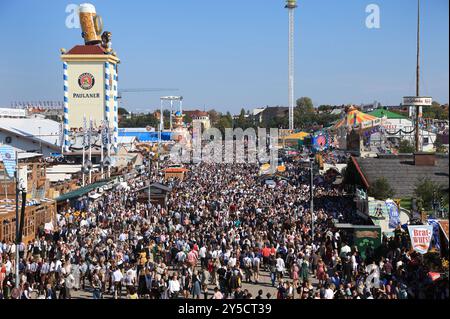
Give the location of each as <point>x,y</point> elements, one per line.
<point>264,284</point>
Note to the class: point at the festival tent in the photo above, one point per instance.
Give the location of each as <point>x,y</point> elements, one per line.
<point>356,118</point>
<point>296,136</point>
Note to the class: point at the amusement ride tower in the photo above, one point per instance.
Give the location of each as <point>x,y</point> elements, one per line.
<point>291,5</point>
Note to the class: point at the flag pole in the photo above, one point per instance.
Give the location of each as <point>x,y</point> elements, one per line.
<point>101,149</point>
<point>17,222</point>
<point>90,150</point>
<point>84,147</point>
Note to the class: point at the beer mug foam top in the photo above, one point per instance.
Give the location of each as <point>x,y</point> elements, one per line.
<point>87,8</point>
<point>91,24</point>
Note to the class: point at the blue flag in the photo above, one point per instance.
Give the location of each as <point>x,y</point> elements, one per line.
<point>8,157</point>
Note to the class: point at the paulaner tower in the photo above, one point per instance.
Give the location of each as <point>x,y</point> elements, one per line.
<point>90,80</point>
<point>291,5</point>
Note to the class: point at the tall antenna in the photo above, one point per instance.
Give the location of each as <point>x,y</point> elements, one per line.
<point>291,5</point>
<point>417,135</point>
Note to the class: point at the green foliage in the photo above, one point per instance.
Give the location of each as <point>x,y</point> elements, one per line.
<point>305,104</point>
<point>440,148</point>
<point>428,191</point>
<point>243,120</point>
<point>225,121</point>
<point>187,119</point>
<point>122,111</point>
<point>325,108</point>
<point>381,189</point>
<point>214,117</point>
<point>140,121</point>
<point>305,115</point>
<point>435,111</point>
<point>278,122</point>
<point>406,147</point>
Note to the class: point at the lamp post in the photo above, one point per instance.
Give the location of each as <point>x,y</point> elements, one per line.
<point>17,223</point>
<point>311,159</point>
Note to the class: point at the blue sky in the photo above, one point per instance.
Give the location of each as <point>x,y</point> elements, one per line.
<point>233,54</point>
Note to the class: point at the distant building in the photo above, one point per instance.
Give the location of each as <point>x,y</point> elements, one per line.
<point>256,115</point>
<point>34,134</point>
<point>270,113</point>
<point>12,113</point>
<point>399,127</point>
<point>402,172</point>
<point>200,117</point>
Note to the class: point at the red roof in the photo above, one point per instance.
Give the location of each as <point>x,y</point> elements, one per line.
<point>87,49</point>
<point>361,174</point>
<point>444,226</point>
<point>196,113</point>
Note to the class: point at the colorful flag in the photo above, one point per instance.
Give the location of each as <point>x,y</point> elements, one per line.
<point>435,224</point>
<point>8,157</point>
<point>84,132</point>
<point>394,215</point>
<point>420,237</point>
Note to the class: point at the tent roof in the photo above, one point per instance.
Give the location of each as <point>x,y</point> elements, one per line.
<point>80,191</point>
<point>296,136</point>
<point>380,113</point>
<point>353,114</point>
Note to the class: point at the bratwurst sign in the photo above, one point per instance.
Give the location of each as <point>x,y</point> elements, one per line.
<point>420,237</point>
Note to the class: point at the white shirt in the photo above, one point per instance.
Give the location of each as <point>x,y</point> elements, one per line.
<point>345,250</point>
<point>232,262</point>
<point>329,294</point>
<point>8,266</point>
<point>202,252</point>
<point>174,286</point>
<point>117,276</point>
<point>280,264</point>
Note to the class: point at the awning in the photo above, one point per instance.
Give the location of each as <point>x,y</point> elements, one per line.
<point>296,136</point>
<point>80,191</point>
<point>95,196</point>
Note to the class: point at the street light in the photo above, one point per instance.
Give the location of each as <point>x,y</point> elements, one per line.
<point>311,160</point>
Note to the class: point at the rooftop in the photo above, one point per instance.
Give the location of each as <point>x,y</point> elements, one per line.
<point>380,113</point>
<point>48,131</point>
<point>87,49</point>
<point>401,173</point>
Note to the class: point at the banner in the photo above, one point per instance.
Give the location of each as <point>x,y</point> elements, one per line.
<point>436,227</point>
<point>420,237</point>
<point>8,157</point>
<point>394,215</point>
<point>23,178</point>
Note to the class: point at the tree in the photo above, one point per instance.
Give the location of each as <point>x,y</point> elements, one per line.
<point>214,117</point>
<point>305,104</point>
<point>435,111</point>
<point>406,147</point>
<point>325,108</point>
<point>187,118</point>
<point>440,148</point>
<point>122,111</point>
<point>428,192</point>
<point>224,122</point>
<point>140,121</point>
<point>243,120</point>
<point>381,189</point>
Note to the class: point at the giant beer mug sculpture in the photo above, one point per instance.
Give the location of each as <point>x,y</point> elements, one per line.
<point>91,24</point>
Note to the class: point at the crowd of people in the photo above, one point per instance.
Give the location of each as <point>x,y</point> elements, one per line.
<point>222,233</point>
